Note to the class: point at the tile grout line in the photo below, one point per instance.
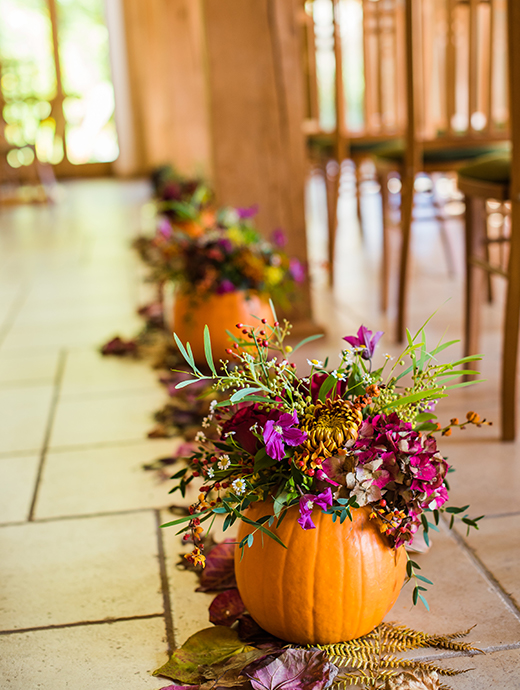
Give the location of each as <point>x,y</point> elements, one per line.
<point>451,654</point>
<point>168,614</point>
<point>79,624</point>
<point>507,600</point>
<point>60,369</point>
<point>83,446</point>
<point>83,516</point>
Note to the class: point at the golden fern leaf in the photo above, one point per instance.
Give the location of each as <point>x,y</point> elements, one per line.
<point>442,671</point>
<point>350,679</point>
<point>445,642</point>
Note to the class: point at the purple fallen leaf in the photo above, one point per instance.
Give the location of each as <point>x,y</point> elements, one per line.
<point>294,669</point>
<point>226,608</point>
<point>219,573</point>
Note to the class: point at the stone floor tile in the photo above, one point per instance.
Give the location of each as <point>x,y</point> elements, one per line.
<point>487,475</point>
<point>459,599</point>
<point>497,545</point>
<point>500,670</point>
<point>88,657</point>
<point>17,481</point>
<point>97,480</point>
<point>22,369</point>
<point>69,571</point>
<point>24,413</point>
<point>88,372</point>
<point>104,419</point>
<point>77,333</point>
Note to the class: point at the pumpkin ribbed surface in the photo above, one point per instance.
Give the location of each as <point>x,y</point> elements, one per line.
<point>332,584</point>
<point>220,313</point>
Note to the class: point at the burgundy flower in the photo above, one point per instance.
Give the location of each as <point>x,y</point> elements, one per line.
<point>281,429</point>
<point>225,286</point>
<point>317,381</point>
<point>240,425</point>
<point>307,504</point>
<point>366,340</point>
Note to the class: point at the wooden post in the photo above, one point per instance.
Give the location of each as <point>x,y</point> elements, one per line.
<point>166,65</point>
<point>512,316</point>
<point>256,95</point>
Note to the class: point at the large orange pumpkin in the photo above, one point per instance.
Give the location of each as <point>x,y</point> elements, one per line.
<point>332,584</point>
<point>220,313</point>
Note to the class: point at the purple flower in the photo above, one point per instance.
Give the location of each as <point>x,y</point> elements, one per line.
<point>278,238</point>
<point>307,503</point>
<point>165,229</point>
<point>297,270</point>
<point>280,430</point>
<point>248,212</point>
<point>225,287</point>
<point>366,340</point>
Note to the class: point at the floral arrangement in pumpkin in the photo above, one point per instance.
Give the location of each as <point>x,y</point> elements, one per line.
<point>362,434</point>
<point>209,252</point>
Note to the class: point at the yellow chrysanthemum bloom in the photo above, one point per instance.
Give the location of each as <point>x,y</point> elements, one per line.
<point>273,275</point>
<point>329,425</point>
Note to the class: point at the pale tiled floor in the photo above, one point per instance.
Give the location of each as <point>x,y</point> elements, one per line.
<point>91,597</point>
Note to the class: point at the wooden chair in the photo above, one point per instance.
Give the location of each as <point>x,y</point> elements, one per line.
<point>497,178</point>
<point>382,115</point>
<point>453,135</point>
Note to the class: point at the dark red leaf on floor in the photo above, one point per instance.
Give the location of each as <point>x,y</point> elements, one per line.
<point>159,431</point>
<point>119,347</point>
<point>249,631</point>
<point>226,608</point>
<point>219,573</point>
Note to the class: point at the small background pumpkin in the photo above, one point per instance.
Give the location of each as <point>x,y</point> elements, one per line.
<point>220,313</point>
<point>332,584</point>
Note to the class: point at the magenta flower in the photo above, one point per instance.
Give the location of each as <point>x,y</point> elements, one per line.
<point>282,430</point>
<point>297,270</point>
<point>225,286</point>
<point>366,340</point>
<point>278,238</point>
<point>248,212</point>
<point>307,503</point>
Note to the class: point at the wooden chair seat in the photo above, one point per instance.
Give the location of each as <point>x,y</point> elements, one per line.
<point>439,158</point>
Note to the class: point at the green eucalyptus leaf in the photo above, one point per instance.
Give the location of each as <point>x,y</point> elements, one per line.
<point>207,350</point>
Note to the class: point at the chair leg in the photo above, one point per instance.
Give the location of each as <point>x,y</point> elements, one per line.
<point>475,248</point>
<point>385,257</point>
<point>406,227</point>
<point>511,326</point>
<point>332,180</point>
<point>358,181</point>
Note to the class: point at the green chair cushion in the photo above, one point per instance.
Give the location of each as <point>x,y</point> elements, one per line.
<point>324,143</point>
<point>493,168</point>
<point>395,153</point>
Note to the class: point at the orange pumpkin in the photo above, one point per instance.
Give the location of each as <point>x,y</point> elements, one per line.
<point>332,584</point>
<point>220,313</point>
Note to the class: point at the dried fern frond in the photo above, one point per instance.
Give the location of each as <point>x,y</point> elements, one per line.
<point>441,670</point>
<point>370,662</point>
